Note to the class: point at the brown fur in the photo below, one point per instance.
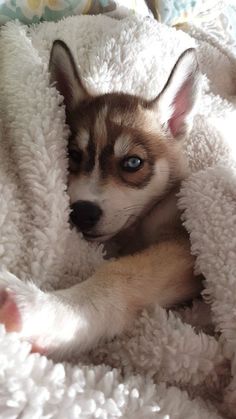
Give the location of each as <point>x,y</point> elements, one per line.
<point>107,119</point>
<point>137,211</point>
<point>108,128</point>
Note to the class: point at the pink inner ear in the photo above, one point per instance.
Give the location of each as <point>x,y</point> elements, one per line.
<point>182,105</point>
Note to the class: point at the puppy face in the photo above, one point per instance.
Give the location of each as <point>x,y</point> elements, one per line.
<point>124,152</point>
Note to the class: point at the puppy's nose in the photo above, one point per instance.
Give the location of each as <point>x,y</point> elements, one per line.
<point>85,214</point>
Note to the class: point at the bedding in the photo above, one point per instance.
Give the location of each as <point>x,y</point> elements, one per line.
<point>171,364</point>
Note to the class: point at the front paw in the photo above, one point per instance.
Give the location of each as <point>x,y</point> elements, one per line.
<point>9,312</point>
<point>58,323</point>
<point>20,305</point>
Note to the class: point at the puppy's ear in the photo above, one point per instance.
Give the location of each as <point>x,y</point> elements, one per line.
<point>64,74</point>
<point>175,104</point>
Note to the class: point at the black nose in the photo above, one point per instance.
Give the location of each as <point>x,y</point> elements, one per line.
<point>85,214</point>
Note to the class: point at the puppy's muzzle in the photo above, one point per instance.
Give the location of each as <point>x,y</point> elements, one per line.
<point>85,215</point>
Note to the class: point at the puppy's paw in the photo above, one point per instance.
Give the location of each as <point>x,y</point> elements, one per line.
<point>20,308</point>
<point>57,323</point>
<point>46,320</point>
<point>9,312</point>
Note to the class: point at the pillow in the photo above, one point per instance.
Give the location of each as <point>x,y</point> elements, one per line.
<point>171,12</point>
<point>177,12</point>
<point>35,11</point>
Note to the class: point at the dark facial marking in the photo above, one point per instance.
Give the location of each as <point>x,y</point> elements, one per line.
<point>105,160</point>
<point>75,156</point>
<point>144,144</point>
<point>90,156</point>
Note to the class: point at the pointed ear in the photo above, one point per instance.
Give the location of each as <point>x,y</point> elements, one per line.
<point>64,74</point>
<point>175,104</point>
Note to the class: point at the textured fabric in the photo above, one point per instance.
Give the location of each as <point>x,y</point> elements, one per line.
<point>34,11</point>
<point>171,12</point>
<point>176,364</point>
<point>175,12</point>
<point>222,27</point>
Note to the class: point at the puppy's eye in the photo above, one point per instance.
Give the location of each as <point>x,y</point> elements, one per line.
<point>131,164</point>
<point>75,155</point>
<point>75,160</point>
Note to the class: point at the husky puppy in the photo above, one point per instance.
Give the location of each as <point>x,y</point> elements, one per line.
<point>125,166</point>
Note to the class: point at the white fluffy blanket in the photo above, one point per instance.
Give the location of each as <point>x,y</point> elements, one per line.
<point>180,364</point>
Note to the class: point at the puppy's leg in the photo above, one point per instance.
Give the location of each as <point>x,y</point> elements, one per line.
<point>74,319</point>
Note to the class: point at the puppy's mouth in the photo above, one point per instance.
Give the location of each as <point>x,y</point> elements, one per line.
<point>97,237</point>
<point>105,237</point>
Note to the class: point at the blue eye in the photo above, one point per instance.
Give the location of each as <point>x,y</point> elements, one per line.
<point>131,164</point>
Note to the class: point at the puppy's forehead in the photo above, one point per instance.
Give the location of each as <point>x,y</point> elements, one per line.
<point>91,127</point>
<point>103,124</point>
<point>114,121</point>
<point>83,138</point>
<point>100,128</point>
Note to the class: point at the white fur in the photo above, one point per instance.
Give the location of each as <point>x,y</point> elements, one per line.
<point>71,316</point>
<point>122,146</point>
<point>121,205</point>
<point>83,139</point>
